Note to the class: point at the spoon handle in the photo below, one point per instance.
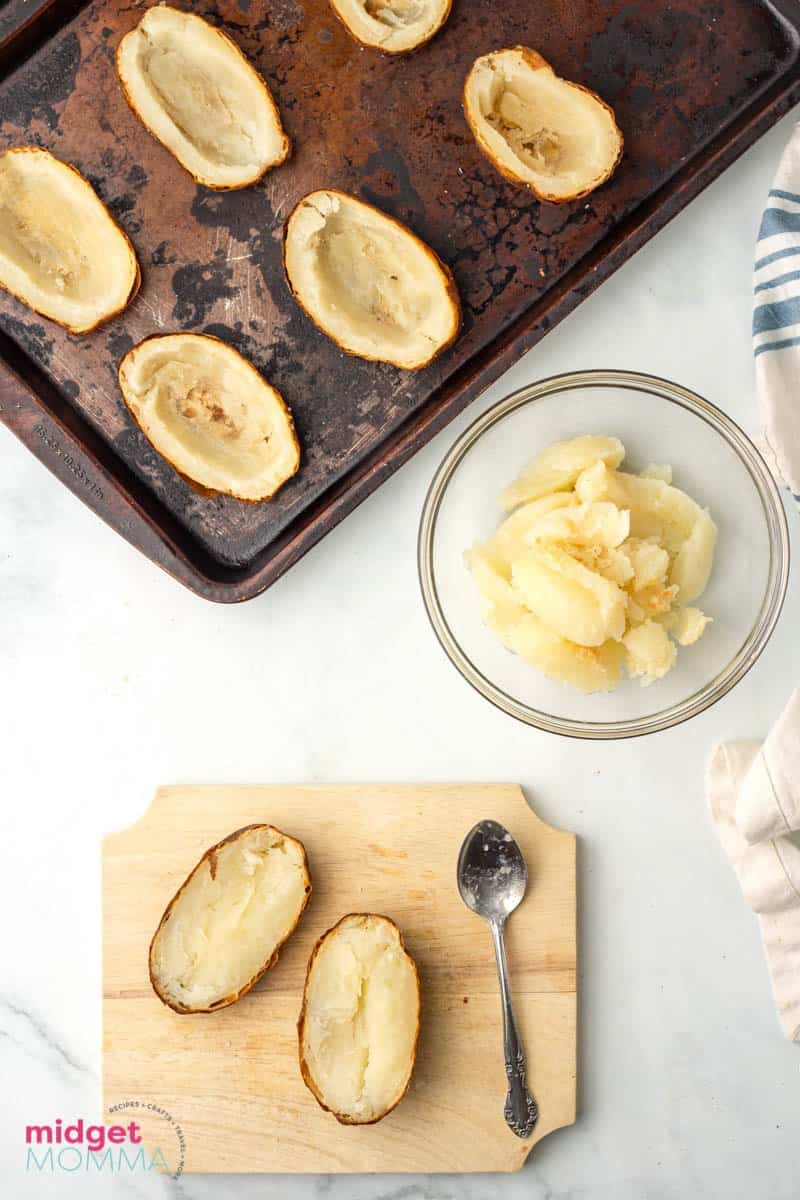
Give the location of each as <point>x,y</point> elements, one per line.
<point>521,1111</point>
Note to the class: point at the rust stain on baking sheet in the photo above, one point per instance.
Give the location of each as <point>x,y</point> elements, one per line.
<point>392,131</point>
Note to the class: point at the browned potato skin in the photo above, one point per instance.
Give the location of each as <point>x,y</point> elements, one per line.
<point>210,856</point>
<point>214,187</point>
<point>536,62</point>
<point>342,1118</point>
<point>394,53</point>
<point>196,487</point>
<point>137,279</point>
<point>452,290</point>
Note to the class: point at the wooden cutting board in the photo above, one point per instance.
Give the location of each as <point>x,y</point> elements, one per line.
<point>228,1083</point>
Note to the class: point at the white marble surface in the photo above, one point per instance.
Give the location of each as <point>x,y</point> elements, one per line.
<point>113,679</point>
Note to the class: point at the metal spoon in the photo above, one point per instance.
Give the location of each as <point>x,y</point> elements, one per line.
<point>492,877</point>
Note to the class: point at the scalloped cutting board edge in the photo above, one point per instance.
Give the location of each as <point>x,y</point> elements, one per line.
<point>230,1080</point>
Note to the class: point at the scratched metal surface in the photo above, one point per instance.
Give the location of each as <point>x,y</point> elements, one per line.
<point>14,13</point>
<point>393,132</point>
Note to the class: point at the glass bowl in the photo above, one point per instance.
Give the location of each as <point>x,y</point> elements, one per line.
<point>712,459</point>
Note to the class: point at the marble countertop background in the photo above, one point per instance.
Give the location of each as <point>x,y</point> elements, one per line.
<point>113,679</point>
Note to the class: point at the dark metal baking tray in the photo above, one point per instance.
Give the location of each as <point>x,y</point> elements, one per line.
<point>692,82</point>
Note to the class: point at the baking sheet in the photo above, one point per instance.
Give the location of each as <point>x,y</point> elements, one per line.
<point>691,85</point>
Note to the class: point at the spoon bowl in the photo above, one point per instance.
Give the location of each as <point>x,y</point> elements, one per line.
<point>492,875</point>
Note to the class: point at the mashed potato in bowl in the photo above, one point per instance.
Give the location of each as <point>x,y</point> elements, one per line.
<point>594,569</point>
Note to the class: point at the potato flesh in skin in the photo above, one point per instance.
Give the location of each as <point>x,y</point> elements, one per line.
<point>197,93</point>
<point>227,922</point>
<point>394,26</point>
<point>360,1020</point>
<point>588,575</point>
<point>553,135</point>
<point>210,414</point>
<point>368,282</point>
<point>61,251</point>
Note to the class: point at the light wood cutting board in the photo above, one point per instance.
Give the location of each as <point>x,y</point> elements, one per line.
<point>230,1080</point>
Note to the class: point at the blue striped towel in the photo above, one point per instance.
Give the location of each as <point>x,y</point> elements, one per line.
<point>776,318</point>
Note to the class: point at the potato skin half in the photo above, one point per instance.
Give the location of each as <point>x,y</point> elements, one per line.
<point>301,1022</point>
<point>395,53</point>
<point>452,290</point>
<point>209,855</point>
<point>196,487</point>
<point>536,63</point>
<point>137,280</point>
<point>213,187</point>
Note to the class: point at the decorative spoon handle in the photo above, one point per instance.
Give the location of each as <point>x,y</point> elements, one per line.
<point>521,1111</point>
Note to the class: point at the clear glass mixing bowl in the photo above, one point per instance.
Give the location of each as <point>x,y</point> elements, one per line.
<point>712,459</point>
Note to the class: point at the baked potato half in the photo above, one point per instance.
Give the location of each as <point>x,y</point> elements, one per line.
<point>556,137</point>
<point>359,1023</point>
<point>210,414</point>
<point>226,923</point>
<point>368,282</point>
<point>61,251</point>
<point>192,87</point>
<point>393,26</point>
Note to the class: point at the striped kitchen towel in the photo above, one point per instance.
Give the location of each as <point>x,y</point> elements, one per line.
<point>776,318</point>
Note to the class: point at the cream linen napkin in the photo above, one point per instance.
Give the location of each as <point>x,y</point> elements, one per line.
<point>769,869</point>
<point>769,798</point>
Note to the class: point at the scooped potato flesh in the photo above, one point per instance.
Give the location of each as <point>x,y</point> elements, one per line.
<point>500,607</point>
<point>557,468</point>
<point>394,26</point>
<point>545,131</point>
<point>690,624</point>
<point>211,414</point>
<point>60,250</point>
<point>360,1022</point>
<point>588,668</point>
<point>569,598</point>
<point>513,531</point>
<point>649,652</point>
<point>235,910</point>
<point>656,508</point>
<point>693,562</point>
<point>592,569</point>
<point>368,282</point>
<point>201,98</point>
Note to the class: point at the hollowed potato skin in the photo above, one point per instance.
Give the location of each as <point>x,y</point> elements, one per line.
<point>182,1010</point>
<point>137,280</point>
<point>452,290</point>
<point>215,187</point>
<point>394,53</point>
<point>308,1079</point>
<point>199,488</point>
<point>535,61</point>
